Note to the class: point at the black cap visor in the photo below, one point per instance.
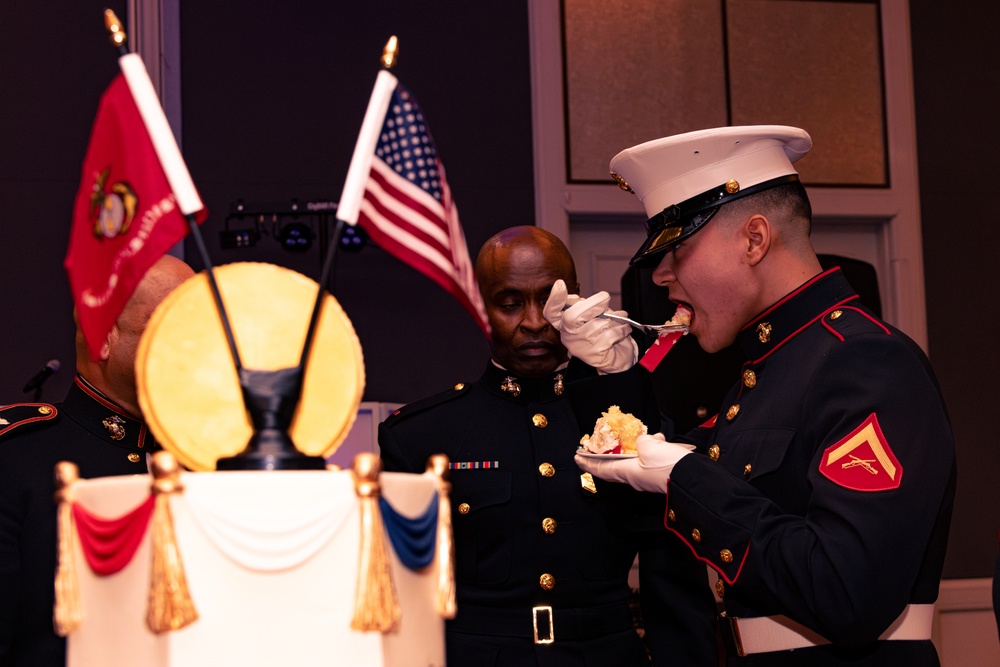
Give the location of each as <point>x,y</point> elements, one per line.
<point>679,221</point>
<point>664,232</point>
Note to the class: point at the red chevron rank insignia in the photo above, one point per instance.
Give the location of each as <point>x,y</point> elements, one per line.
<point>863,460</point>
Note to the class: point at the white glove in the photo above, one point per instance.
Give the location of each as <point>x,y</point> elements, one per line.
<point>599,342</point>
<point>650,471</point>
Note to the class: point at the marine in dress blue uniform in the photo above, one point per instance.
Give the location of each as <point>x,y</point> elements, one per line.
<point>541,565</point>
<point>827,488</point>
<point>822,492</point>
<point>96,427</point>
<point>532,531</point>
<point>532,545</point>
<point>102,438</point>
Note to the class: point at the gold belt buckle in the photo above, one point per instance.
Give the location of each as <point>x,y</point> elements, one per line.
<point>534,623</point>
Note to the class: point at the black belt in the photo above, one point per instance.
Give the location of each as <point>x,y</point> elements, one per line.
<point>542,623</point>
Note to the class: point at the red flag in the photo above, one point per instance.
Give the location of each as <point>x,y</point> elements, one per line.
<point>396,188</point>
<point>126,214</point>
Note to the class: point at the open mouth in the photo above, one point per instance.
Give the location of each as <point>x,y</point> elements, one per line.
<point>684,313</point>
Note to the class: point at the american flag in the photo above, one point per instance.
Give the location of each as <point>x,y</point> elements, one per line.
<point>407,207</point>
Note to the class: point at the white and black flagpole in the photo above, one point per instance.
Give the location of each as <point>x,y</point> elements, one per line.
<point>169,154</point>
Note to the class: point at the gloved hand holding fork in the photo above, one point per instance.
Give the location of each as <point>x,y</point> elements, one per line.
<point>598,342</point>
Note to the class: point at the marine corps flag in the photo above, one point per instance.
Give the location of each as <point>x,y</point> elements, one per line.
<point>130,209</point>
<point>396,189</point>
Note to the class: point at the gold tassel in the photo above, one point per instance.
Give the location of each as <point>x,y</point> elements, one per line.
<point>445,545</point>
<point>375,603</point>
<point>66,613</point>
<point>169,605</point>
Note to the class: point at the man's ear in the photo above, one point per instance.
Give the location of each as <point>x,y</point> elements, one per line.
<point>757,230</point>
<point>106,347</point>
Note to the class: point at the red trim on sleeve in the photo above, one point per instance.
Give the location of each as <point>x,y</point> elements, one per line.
<point>708,562</point>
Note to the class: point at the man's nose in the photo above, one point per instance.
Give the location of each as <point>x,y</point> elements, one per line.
<point>534,319</point>
<point>663,274</point>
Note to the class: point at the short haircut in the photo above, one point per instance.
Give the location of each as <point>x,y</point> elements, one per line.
<point>787,202</point>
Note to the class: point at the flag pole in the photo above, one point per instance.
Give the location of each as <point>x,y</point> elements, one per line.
<point>357,175</point>
<point>269,397</point>
<point>188,200</point>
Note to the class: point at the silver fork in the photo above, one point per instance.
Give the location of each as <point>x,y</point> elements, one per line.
<point>651,329</point>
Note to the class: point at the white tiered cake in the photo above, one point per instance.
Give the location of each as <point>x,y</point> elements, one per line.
<point>271,561</point>
<point>270,568</point>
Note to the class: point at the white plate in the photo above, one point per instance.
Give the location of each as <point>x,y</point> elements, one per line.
<point>591,455</point>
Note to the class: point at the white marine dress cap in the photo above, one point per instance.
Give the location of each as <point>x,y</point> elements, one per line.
<point>682,180</point>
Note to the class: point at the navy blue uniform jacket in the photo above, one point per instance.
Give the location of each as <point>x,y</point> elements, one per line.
<point>827,487</point>
<point>528,532</point>
<point>36,438</point>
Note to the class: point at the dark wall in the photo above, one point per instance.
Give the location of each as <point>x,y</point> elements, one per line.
<point>274,94</point>
<point>957,140</point>
<point>273,97</point>
<point>56,61</point>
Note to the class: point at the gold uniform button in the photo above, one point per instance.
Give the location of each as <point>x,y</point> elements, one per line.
<point>747,469</point>
<point>835,315</point>
<point>548,525</point>
<point>671,515</point>
<point>749,379</point>
<point>713,452</point>
<point>547,582</point>
<point>464,508</point>
<point>764,332</point>
<point>460,386</point>
<point>726,555</point>
<point>547,470</point>
<point>732,186</point>
<point>44,410</point>
<point>733,410</point>
<point>720,588</point>
<point>540,420</point>
<point>696,535</point>
<point>133,457</point>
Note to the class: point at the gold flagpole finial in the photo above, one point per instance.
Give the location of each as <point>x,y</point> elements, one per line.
<point>116,33</point>
<point>390,52</point>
